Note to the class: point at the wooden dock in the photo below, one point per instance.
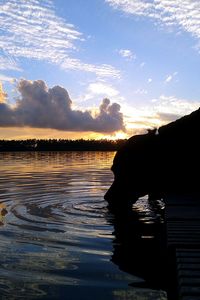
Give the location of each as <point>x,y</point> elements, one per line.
<point>182,214</point>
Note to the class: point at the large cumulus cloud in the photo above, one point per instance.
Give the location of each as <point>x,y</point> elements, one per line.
<point>42,107</point>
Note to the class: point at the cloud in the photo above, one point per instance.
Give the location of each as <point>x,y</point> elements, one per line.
<point>31,29</point>
<point>159,112</point>
<point>43,107</point>
<point>183,15</point>
<point>138,7</point>
<point>167,117</point>
<point>4,78</point>
<point>7,62</point>
<point>173,105</point>
<point>170,77</point>
<point>141,92</point>
<point>3,95</point>
<point>103,89</point>
<point>127,54</point>
<point>166,109</point>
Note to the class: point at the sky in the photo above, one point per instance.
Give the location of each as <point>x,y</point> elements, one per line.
<point>96,68</point>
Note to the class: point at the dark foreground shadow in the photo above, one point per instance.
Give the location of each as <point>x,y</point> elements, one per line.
<point>139,247</point>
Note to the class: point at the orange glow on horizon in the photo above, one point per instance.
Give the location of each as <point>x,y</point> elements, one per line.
<point>23,133</point>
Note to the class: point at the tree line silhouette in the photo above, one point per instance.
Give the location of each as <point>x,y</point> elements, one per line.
<point>61,145</point>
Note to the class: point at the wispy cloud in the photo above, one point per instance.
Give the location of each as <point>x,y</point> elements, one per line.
<point>127,54</point>
<point>103,89</point>
<point>138,7</point>
<point>100,89</point>
<point>7,62</point>
<point>173,106</point>
<point>170,77</point>
<point>31,29</point>
<point>160,111</point>
<point>141,92</point>
<point>184,15</point>
<point>4,78</point>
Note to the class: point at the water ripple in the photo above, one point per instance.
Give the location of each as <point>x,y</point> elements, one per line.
<point>53,226</point>
<point>52,217</point>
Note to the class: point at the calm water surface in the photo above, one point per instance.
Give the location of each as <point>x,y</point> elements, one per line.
<point>58,240</point>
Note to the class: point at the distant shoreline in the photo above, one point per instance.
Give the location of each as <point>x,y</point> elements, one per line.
<point>60,145</point>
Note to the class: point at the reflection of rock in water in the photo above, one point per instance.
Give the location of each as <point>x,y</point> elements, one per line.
<point>139,246</point>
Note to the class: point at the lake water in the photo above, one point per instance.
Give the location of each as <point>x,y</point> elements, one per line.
<point>58,239</point>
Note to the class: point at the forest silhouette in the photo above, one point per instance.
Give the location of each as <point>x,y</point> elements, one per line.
<point>61,145</point>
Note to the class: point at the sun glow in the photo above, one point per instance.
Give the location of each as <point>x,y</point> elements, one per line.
<point>116,136</point>
<point>23,133</point>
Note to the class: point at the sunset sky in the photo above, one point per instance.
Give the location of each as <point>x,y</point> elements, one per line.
<point>96,68</point>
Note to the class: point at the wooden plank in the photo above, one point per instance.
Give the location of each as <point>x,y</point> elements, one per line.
<point>182,215</point>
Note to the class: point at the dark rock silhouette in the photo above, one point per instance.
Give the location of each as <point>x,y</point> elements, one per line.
<point>156,163</point>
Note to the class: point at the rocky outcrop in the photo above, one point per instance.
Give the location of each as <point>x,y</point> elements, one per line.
<point>157,163</point>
